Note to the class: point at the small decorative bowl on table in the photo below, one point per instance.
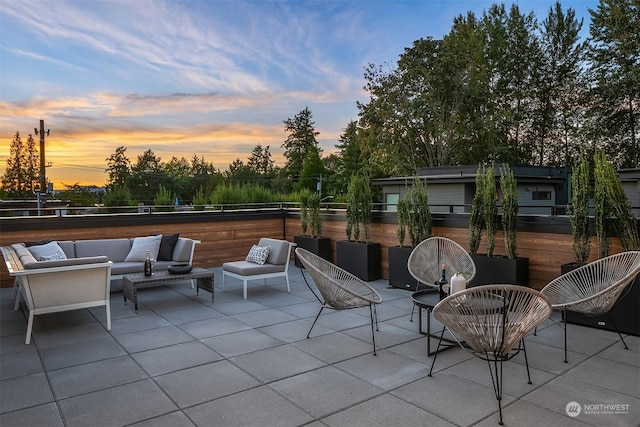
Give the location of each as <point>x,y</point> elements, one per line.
<point>179,268</point>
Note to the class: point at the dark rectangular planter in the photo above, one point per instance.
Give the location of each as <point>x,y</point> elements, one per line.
<point>320,246</point>
<point>625,312</point>
<point>360,259</point>
<point>399,276</point>
<point>500,271</point>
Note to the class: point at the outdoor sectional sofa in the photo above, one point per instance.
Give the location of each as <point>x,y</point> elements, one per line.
<point>81,278</point>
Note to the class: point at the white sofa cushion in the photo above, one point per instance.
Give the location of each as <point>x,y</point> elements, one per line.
<point>140,247</point>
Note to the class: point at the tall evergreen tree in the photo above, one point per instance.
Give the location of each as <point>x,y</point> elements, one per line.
<point>118,168</point>
<point>260,160</point>
<point>146,177</point>
<point>558,79</point>
<point>312,170</point>
<point>21,176</point>
<point>615,66</point>
<point>302,136</point>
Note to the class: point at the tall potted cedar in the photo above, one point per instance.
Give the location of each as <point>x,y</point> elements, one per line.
<point>613,217</point>
<point>358,256</point>
<point>414,216</point>
<point>311,220</point>
<point>491,268</point>
<point>578,212</point>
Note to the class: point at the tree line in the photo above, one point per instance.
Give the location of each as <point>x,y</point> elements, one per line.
<point>502,87</point>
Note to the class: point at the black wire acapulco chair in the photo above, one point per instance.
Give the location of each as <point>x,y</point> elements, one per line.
<point>490,321</point>
<point>339,289</point>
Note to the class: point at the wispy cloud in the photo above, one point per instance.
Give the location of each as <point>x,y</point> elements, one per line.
<point>203,77</point>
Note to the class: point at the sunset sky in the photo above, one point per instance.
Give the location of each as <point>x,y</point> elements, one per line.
<point>212,78</point>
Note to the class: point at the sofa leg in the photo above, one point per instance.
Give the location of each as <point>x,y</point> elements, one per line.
<point>223,277</point>
<point>108,308</point>
<point>16,306</point>
<point>244,290</point>
<point>29,327</point>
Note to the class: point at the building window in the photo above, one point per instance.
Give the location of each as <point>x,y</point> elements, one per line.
<point>392,201</point>
<point>541,195</point>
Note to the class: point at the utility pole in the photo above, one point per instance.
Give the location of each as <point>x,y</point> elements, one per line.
<point>43,174</point>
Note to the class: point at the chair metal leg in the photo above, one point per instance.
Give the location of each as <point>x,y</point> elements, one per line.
<point>414,306</point>
<point>314,322</point>
<point>526,361</point>
<point>373,335</point>
<point>564,316</point>
<point>613,322</point>
<point>433,362</point>
<point>375,316</point>
<point>496,379</point>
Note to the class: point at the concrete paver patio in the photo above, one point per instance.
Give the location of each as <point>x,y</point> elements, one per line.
<point>184,360</point>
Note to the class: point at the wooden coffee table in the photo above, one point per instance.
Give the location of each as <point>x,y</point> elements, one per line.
<point>132,282</point>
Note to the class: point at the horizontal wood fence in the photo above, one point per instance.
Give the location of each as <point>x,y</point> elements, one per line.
<point>228,236</point>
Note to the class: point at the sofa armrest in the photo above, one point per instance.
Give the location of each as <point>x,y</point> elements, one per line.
<point>43,267</point>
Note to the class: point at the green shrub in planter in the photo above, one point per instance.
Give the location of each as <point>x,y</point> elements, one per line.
<point>314,217</point>
<point>414,214</point>
<point>509,187</point>
<point>483,210</point>
<point>304,211</point>
<point>403,219</point>
<point>359,206</point>
<point>419,215</point>
<point>613,212</point>
<point>490,209</point>
<point>578,211</point>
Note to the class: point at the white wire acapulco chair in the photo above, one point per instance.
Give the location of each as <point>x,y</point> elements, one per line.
<point>490,321</point>
<point>339,289</point>
<point>426,260</point>
<point>594,288</point>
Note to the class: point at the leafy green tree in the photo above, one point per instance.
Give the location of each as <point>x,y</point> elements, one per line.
<point>332,181</point>
<point>146,177</point>
<point>509,50</point>
<point>163,198</point>
<point>178,172</point>
<point>260,160</point>
<point>239,173</point>
<point>204,177</point>
<point>301,136</point>
<point>117,197</point>
<point>118,168</point>
<point>200,199</point>
<point>312,170</point>
<point>21,176</point>
<point>558,79</point>
<point>614,58</point>
<point>78,196</point>
<point>348,159</point>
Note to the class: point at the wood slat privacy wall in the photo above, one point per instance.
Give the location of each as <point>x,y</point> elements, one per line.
<point>228,236</point>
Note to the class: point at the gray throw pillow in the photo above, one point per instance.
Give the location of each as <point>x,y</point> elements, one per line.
<point>140,246</point>
<point>48,252</point>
